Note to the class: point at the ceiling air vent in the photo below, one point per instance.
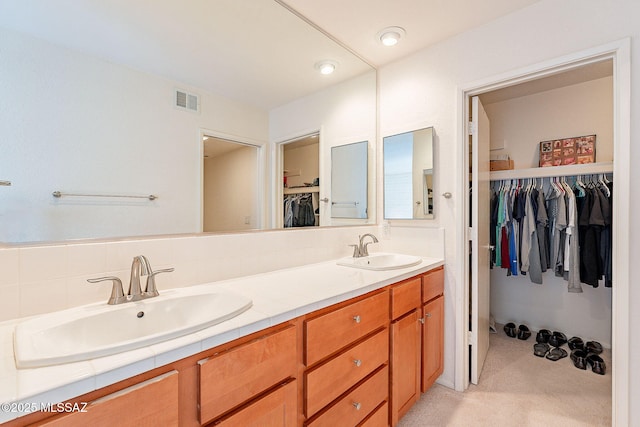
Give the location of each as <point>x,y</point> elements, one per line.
<point>187,101</point>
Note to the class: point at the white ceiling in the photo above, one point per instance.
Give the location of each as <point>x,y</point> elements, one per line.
<point>255,51</point>
<point>357,22</point>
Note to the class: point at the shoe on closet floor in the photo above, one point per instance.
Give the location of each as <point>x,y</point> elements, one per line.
<point>510,329</point>
<point>597,364</point>
<point>593,347</point>
<point>541,349</point>
<point>543,336</point>
<point>575,343</point>
<point>556,354</point>
<point>579,358</point>
<point>557,339</point>
<point>523,332</point>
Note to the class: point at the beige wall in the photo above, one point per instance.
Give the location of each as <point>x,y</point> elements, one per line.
<point>304,159</point>
<point>230,191</point>
<point>581,109</point>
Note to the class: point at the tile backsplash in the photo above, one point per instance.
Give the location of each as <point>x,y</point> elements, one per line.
<point>41,279</point>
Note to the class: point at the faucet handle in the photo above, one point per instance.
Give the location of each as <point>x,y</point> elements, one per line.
<point>117,293</point>
<point>151,290</point>
<point>356,251</point>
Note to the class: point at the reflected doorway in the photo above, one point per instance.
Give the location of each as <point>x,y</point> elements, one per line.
<point>299,198</point>
<point>230,182</point>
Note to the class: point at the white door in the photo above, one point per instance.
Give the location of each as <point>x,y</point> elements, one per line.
<point>480,206</point>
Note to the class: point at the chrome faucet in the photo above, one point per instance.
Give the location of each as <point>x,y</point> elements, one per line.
<point>360,250</point>
<point>139,267</point>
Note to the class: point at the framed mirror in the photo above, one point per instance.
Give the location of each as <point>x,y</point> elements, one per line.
<point>409,175</point>
<point>349,171</point>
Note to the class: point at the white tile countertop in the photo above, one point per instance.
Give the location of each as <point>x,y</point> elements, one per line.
<point>277,296</point>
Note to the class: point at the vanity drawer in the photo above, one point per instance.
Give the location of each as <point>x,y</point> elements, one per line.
<point>380,418</point>
<point>358,404</point>
<point>330,332</point>
<point>151,402</point>
<point>432,284</point>
<point>405,297</point>
<point>276,409</point>
<point>331,379</point>
<point>237,375</point>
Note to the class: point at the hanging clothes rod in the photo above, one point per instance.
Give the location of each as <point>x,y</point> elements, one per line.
<point>345,203</point>
<point>5,183</point>
<point>59,194</point>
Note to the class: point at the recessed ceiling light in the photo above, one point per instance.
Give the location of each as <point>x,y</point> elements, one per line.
<point>326,66</point>
<point>390,36</point>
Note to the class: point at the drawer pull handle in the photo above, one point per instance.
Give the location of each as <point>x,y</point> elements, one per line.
<point>357,362</point>
<point>421,320</point>
<point>357,405</point>
<point>428,314</point>
<point>356,319</point>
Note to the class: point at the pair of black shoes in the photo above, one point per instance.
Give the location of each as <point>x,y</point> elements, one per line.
<point>585,354</point>
<point>545,339</point>
<point>522,333</point>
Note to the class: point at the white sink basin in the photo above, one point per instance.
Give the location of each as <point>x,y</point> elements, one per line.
<point>97,330</point>
<point>381,261</point>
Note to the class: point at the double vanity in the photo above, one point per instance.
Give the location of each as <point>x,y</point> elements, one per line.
<point>347,342</point>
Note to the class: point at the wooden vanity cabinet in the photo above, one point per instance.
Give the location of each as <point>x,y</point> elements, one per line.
<point>406,339</point>
<point>433,327</point>
<point>346,354</point>
<point>361,362</point>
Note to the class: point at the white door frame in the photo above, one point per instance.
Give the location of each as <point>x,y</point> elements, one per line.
<point>620,52</point>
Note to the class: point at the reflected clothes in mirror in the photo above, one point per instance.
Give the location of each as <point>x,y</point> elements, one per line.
<point>298,210</point>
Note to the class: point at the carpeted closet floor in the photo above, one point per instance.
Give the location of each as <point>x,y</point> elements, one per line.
<point>519,389</point>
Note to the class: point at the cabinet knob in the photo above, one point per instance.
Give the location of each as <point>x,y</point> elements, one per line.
<point>356,319</point>
<point>421,320</point>
<point>357,405</point>
<point>428,314</point>
<point>357,362</point>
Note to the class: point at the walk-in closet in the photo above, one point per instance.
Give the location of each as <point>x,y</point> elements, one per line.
<point>301,182</point>
<point>548,210</point>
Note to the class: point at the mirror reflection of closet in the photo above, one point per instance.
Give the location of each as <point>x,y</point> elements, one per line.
<point>408,175</point>
<point>349,180</point>
<point>301,182</point>
<point>230,182</point>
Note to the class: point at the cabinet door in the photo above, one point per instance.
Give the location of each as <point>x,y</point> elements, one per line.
<point>405,364</point>
<point>433,342</point>
<point>151,403</point>
<point>276,409</point>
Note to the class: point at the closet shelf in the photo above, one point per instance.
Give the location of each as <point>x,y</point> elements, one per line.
<point>586,169</point>
<point>300,190</point>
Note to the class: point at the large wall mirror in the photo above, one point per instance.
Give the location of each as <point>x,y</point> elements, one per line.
<point>408,175</point>
<point>105,104</point>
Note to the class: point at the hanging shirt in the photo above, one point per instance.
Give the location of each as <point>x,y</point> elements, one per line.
<point>572,249</point>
